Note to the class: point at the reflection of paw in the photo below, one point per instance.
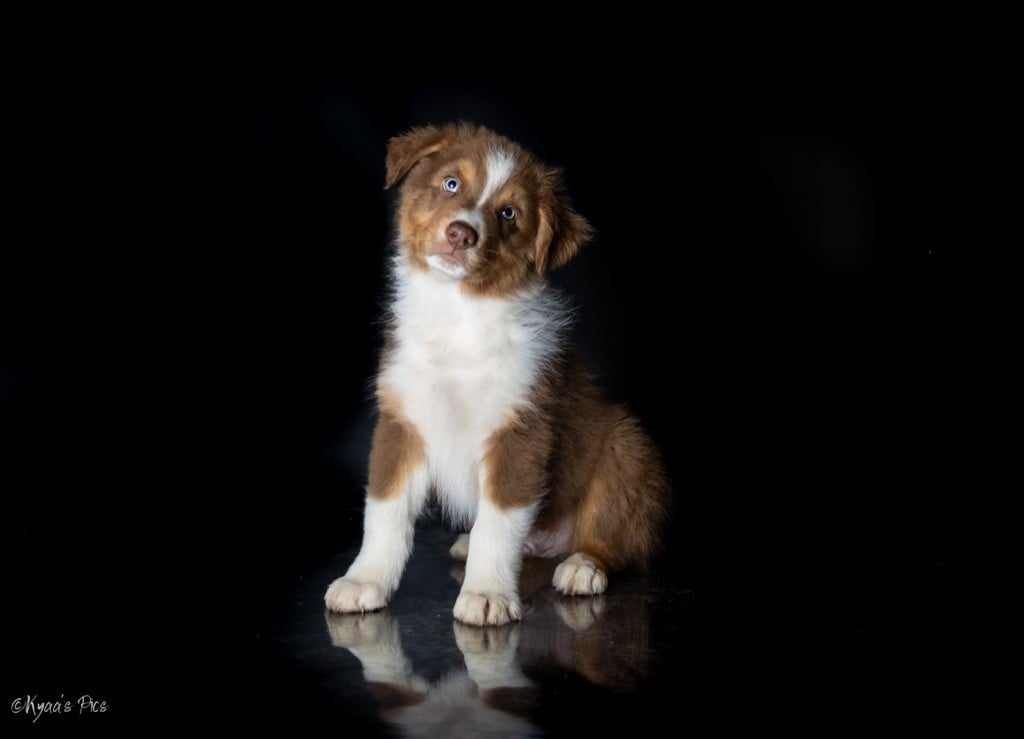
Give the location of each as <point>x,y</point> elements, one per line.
<point>354,630</point>
<point>354,596</point>
<point>475,641</point>
<point>487,609</point>
<point>579,614</point>
<point>579,575</point>
<point>460,549</point>
<point>491,656</point>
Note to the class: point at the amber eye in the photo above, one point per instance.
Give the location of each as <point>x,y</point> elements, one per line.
<point>450,184</point>
<point>508,213</point>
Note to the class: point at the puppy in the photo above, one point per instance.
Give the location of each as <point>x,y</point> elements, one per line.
<point>479,397</point>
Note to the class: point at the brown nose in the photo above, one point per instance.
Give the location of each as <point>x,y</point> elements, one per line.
<point>461,235</point>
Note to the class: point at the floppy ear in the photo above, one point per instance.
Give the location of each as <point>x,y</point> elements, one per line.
<point>561,232</point>
<point>405,150</point>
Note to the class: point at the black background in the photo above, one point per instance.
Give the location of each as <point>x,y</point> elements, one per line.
<point>793,285</point>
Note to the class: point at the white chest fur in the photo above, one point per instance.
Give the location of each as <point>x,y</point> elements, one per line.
<point>459,365</point>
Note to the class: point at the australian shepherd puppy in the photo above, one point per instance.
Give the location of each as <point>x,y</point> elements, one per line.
<point>481,400</point>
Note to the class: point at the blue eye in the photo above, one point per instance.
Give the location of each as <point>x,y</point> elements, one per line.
<point>508,213</point>
<point>450,184</point>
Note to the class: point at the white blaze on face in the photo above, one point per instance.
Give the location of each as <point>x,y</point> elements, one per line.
<point>499,168</point>
<point>474,218</point>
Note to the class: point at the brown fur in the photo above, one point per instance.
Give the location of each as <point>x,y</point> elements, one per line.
<point>397,448</point>
<point>601,469</point>
<point>394,696</point>
<point>517,461</point>
<point>588,461</point>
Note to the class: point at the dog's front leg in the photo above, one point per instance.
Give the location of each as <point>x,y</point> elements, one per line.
<point>511,482</point>
<point>395,496</point>
<point>489,593</point>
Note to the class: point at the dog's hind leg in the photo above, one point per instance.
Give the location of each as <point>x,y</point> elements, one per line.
<point>620,517</point>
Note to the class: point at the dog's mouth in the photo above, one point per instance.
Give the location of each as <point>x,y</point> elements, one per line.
<point>440,252</point>
<point>448,261</point>
<point>447,255</point>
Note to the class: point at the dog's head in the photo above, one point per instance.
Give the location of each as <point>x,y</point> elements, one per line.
<point>479,209</point>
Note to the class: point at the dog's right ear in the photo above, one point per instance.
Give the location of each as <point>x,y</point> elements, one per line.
<point>405,150</point>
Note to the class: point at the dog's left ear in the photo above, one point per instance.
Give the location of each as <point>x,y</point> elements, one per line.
<point>405,150</point>
<point>561,232</point>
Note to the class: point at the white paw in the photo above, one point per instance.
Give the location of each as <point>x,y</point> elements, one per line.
<point>354,596</point>
<point>579,575</point>
<point>460,549</point>
<point>487,609</point>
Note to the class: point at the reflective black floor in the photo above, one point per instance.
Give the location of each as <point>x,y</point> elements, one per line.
<point>745,624</point>
<point>412,669</point>
<point>820,650</point>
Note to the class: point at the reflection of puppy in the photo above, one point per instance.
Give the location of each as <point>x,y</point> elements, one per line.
<point>605,639</point>
<point>480,398</point>
<point>488,698</point>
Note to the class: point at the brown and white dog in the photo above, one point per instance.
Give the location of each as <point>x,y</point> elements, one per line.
<point>479,397</point>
